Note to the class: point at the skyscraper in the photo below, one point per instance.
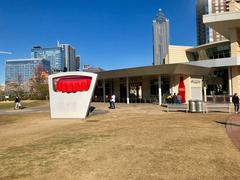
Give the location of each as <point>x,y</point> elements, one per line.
<point>202,29</point>
<point>62,57</point>
<point>160,38</point>
<point>69,57</point>
<point>204,33</point>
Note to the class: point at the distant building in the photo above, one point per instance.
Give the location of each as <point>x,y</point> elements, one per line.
<point>228,2</point>
<point>203,7</point>
<point>69,57</point>
<point>55,55</point>
<point>202,29</point>
<point>21,70</point>
<point>78,63</point>
<point>62,57</point>
<point>160,38</point>
<point>87,68</point>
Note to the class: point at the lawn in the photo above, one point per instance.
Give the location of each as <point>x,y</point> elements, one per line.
<point>130,142</point>
<point>27,103</point>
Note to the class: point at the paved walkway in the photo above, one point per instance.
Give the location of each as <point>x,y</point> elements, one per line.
<point>233,129</point>
<point>39,109</point>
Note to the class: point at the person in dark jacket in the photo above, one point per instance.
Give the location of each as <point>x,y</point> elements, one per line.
<point>235,100</point>
<point>17,101</point>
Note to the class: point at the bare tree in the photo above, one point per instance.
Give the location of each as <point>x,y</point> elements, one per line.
<point>38,83</point>
<point>2,92</point>
<point>15,87</point>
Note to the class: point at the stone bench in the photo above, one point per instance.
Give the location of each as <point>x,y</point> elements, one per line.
<point>177,107</point>
<point>212,107</point>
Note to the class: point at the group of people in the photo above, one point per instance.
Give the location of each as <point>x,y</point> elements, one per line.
<point>174,99</point>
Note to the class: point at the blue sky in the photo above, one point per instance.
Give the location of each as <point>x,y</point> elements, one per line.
<point>107,33</point>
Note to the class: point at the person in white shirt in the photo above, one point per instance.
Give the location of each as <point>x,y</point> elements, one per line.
<point>112,102</point>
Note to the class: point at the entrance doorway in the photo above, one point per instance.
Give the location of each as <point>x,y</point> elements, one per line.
<point>135,92</point>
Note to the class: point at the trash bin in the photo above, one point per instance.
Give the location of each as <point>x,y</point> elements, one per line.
<point>192,106</point>
<point>199,106</point>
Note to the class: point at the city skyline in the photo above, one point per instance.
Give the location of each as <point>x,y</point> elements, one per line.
<point>104,35</point>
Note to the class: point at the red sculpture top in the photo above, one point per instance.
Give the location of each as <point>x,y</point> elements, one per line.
<point>72,84</point>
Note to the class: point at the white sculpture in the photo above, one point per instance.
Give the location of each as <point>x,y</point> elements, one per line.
<point>70,94</point>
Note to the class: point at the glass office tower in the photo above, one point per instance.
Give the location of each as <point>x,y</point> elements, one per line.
<point>160,38</point>
<point>55,55</point>
<point>21,70</point>
<point>62,57</point>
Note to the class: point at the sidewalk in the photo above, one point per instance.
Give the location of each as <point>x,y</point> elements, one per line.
<point>233,129</point>
<point>37,109</point>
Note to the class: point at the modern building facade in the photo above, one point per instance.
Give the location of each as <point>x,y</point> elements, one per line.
<point>203,7</point>
<point>21,70</point>
<point>160,38</point>
<point>62,57</point>
<point>209,72</point>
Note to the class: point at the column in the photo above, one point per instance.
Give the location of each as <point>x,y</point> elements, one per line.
<point>104,91</point>
<point>170,85</point>
<point>230,83</point>
<point>159,91</point>
<point>127,84</point>
<point>204,89</point>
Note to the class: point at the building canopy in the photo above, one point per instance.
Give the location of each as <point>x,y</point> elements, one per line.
<point>165,69</point>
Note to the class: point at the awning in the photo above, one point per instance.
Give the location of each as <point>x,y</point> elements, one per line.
<point>165,69</point>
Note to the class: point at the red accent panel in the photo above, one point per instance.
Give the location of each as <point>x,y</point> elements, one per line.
<point>72,84</point>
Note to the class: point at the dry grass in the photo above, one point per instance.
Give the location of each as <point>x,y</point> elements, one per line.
<point>131,142</point>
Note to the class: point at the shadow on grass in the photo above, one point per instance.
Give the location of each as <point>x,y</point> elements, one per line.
<point>227,123</point>
<point>94,111</point>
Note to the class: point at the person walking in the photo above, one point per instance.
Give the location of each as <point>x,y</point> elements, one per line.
<point>235,100</point>
<point>17,103</point>
<point>109,100</point>
<point>112,101</point>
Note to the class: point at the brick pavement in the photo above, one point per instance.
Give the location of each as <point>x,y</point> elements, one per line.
<point>233,129</point>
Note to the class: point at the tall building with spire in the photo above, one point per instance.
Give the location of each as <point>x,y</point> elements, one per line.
<point>203,7</point>
<point>160,38</point>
